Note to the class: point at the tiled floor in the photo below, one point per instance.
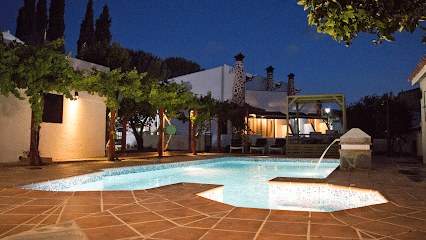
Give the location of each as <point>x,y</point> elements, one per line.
<point>175,212</point>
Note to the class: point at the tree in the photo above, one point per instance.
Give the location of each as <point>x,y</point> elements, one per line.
<point>170,99</point>
<point>39,70</point>
<point>56,20</point>
<point>87,31</point>
<point>138,114</point>
<point>107,85</point>
<point>41,16</point>
<point>103,23</point>
<point>344,19</point>
<point>180,66</point>
<point>21,23</point>
<point>102,53</point>
<point>370,115</point>
<point>26,22</point>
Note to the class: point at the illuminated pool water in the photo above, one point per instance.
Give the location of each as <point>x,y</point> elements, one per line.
<point>245,179</point>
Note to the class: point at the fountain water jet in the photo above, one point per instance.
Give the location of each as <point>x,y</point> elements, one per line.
<point>325,151</point>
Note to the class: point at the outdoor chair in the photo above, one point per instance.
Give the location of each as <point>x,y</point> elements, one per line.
<point>278,146</point>
<point>236,144</point>
<point>259,145</point>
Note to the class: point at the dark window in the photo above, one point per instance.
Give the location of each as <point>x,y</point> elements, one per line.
<point>53,108</point>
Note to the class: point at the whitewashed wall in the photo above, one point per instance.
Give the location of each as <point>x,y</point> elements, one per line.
<point>15,125</point>
<point>81,133</point>
<point>218,81</point>
<point>418,78</point>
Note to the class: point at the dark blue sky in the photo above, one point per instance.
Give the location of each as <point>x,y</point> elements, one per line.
<point>267,33</point>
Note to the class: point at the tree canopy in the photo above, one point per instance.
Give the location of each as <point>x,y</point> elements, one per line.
<point>344,19</point>
<point>179,66</point>
<point>370,115</point>
<point>56,20</point>
<point>103,23</point>
<point>108,55</point>
<point>87,31</point>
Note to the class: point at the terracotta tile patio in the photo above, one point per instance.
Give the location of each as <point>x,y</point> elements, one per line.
<point>176,212</point>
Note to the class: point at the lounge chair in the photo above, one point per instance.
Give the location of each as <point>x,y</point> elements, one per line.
<point>278,146</point>
<point>236,144</point>
<point>260,145</point>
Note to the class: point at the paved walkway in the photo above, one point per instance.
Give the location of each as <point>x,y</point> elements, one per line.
<point>175,212</point>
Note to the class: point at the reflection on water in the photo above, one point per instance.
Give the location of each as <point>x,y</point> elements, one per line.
<point>246,182</point>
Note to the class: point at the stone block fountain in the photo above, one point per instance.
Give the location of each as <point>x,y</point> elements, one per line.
<point>355,152</point>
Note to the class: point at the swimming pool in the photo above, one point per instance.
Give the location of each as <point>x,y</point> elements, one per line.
<point>245,179</point>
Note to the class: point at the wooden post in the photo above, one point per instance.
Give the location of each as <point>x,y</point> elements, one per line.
<point>160,133</point>
<point>189,133</point>
<point>219,132</point>
<point>194,141</point>
<point>123,136</point>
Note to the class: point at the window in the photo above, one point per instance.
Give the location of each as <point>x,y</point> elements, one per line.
<point>53,108</point>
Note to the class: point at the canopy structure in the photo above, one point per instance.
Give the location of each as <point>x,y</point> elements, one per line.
<point>304,99</point>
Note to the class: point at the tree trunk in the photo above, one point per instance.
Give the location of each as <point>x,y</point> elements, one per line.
<point>160,143</point>
<point>123,135</point>
<point>219,132</point>
<point>138,136</point>
<point>194,140</point>
<point>34,155</point>
<point>189,133</point>
<point>111,147</point>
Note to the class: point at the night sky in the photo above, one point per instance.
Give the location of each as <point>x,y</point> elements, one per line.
<point>274,32</point>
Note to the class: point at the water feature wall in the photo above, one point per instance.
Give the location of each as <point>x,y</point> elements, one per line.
<point>355,150</point>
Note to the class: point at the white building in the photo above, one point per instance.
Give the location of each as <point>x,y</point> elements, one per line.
<point>73,128</point>
<point>418,77</point>
<point>266,97</point>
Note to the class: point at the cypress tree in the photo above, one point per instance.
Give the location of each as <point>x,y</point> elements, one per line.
<point>26,22</point>
<point>41,20</point>
<point>103,23</point>
<point>56,20</point>
<point>41,16</point>
<point>87,31</point>
<point>21,23</point>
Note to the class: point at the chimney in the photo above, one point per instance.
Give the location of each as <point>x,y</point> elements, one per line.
<point>270,78</point>
<point>238,90</point>
<point>291,91</point>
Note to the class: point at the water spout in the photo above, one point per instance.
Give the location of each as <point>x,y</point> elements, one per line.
<point>323,154</point>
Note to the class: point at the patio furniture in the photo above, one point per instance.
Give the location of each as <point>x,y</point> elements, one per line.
<point>260,145</point>
<point>236,144</point>
<point>278,146</point>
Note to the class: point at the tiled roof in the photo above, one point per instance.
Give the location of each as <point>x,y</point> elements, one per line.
<point>418,68</point>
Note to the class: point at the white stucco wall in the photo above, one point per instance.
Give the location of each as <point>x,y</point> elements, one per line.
<point>218,81</point>
<point>15,125</point>
<point>419,78</point>
<point>423,122</point>
<point>81,133</point>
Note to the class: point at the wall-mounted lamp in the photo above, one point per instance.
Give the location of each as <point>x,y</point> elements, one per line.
<point>75,95</point>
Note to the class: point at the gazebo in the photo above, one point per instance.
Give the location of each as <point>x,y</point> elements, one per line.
<point>295,144</point>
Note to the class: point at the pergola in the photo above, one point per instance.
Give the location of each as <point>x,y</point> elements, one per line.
<point>304,99</point>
